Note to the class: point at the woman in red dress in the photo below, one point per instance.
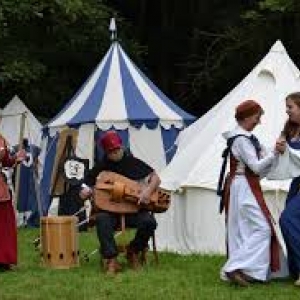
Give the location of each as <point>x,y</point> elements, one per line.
<point>8,230</point>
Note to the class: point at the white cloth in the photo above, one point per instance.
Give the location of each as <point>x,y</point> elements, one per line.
<point>286,166</point>
<point>248,232</point>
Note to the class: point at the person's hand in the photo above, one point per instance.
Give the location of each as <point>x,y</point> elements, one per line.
<point>85,193</point>
<point>280,145</point>
<point>144,196</point>
<point>21,155</point>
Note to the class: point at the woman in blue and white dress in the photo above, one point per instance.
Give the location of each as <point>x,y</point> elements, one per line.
<point>288,166</point>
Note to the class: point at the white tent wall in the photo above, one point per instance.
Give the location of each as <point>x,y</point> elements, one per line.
<point>197,229</point>
<point>196,165</point>
<point>147,145</point>
<point>195,225</point>
<point>85,142</point>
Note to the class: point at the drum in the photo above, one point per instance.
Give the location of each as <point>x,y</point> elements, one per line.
<point>59,242</point>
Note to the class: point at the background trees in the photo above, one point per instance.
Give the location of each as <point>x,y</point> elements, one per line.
<point>196,51</point>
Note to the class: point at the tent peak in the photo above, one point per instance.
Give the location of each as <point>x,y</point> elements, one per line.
<point>16,100</point>
<point>278,47</point>
<point>113,29</point>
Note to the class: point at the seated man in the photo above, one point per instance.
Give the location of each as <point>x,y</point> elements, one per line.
<point>117,160</point>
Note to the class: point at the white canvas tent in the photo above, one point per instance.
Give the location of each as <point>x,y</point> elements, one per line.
<point>10,126</point>
<point>17,123</point>
<point>194,223</point>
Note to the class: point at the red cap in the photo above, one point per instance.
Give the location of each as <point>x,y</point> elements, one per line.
<point>246,109</point>
<point>110,140</point>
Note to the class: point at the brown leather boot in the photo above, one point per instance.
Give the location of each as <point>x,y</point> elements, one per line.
<point>251,279</point>
<point>112,266</point>
<point>143,256</point>
<point>133,258</point>
<point>237,278</point>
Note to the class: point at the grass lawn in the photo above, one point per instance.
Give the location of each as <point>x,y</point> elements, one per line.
<point>176,277</point>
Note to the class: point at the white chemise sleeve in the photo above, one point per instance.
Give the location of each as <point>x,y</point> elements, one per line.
<point>245,152</point>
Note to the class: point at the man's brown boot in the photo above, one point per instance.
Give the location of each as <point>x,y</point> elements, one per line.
<point>112,266</point>
<point>143,256</point>
<point>133,258</point>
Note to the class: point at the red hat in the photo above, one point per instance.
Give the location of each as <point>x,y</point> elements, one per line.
<point>246,109</point>
<point>110,140</point>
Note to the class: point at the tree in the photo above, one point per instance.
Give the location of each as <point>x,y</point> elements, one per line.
<point>48,48</point>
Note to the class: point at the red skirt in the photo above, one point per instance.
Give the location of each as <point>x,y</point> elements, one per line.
<point>8,234</point>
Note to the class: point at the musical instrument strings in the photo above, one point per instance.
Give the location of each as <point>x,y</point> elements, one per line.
<point>119,194</point>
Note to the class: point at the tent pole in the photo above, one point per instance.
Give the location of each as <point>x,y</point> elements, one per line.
<point>37,191</point>
<point>92,162</point>
<point>18,170</point>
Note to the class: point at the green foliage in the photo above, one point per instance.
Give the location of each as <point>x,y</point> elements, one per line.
<point>277,5</point>
<point>271,6</point>
<point>251,15</point>
<point>22,71</point>
<point>48,48</point>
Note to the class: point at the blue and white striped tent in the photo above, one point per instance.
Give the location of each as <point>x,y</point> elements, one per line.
<point>118,95</point>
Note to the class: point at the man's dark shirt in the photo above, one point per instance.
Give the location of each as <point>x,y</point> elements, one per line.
<point>129,166</point>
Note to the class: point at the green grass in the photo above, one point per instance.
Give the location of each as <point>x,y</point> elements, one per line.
<point>176,277</point>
